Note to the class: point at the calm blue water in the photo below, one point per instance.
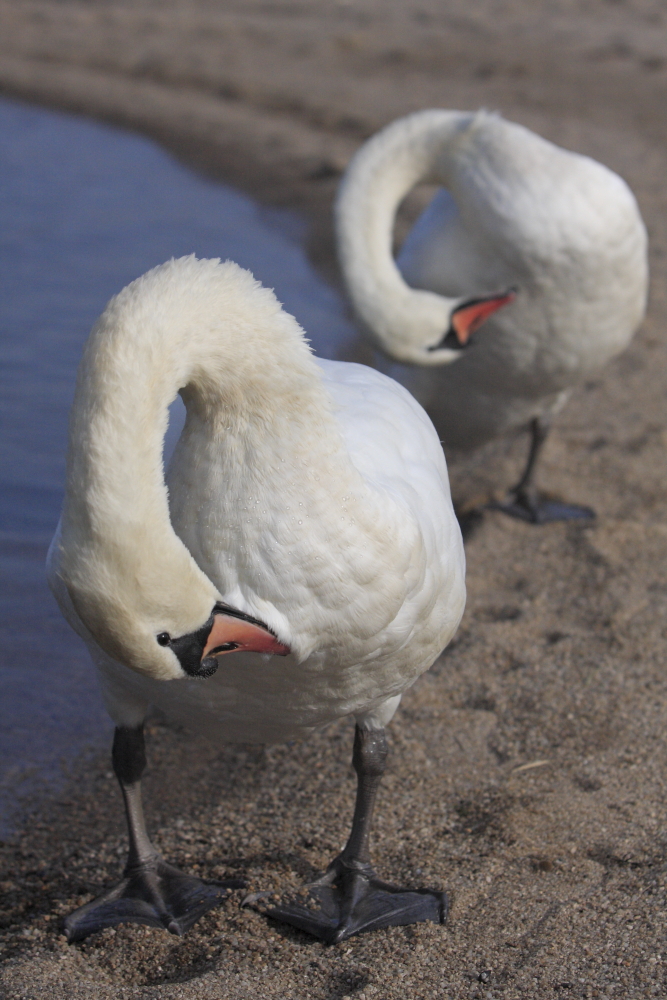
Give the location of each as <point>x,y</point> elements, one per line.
<point>83,210</point>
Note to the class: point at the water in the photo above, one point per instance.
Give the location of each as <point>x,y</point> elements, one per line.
<point>84,209</point>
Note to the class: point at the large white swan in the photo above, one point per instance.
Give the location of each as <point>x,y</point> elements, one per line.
<point>302,562</point>
<point>514,211</point>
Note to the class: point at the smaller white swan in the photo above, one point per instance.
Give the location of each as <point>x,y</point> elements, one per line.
<point>515,211</point>
<point>304,565</point>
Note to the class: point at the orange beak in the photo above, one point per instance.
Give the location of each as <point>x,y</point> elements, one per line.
<point>230,635</point>
<point>470,315</point>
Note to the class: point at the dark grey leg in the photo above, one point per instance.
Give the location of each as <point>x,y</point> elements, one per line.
<point>539,430</point>
<point>349,898</point>
<point>128,756</point>
<point>151,891</point>
<point>525,502</point>
<point>369,760</point>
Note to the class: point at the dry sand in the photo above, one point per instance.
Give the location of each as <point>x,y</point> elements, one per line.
<point>557,871</point>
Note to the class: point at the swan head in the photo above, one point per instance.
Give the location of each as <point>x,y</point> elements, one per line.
<point>227,630</point>
<point>179,633</point>
<point>430,329</point>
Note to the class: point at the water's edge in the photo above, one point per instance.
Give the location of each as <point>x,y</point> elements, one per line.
<point>87,208</point>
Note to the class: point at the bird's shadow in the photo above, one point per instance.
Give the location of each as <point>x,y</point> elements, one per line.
<point>470,521</point>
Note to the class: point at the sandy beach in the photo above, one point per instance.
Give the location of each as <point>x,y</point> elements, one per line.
<point>529,768</point>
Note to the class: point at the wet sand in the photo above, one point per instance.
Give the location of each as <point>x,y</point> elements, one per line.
<point>557,871</point>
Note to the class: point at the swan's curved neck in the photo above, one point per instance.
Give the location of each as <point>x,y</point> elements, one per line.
<point>201,327</point>
<point>411,151</point>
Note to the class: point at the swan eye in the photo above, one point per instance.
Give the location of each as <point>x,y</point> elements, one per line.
<point>164,638</point>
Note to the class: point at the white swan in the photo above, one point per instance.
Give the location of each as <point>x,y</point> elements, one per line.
<point>307,516</point>
<point>515,211</point>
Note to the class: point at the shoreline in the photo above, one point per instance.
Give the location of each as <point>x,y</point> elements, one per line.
<point>276,100</point>
<point>557,873</point>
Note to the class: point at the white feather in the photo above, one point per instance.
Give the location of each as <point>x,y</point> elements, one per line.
<point>312,495</point>
<point>515,210</point>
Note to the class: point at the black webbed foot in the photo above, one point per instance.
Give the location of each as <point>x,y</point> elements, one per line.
<point>153,893</point>
<point>350,899</point>
<point>538,509</point>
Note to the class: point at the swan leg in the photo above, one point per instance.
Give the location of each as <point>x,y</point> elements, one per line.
<point>151,891</point>
<point>525,502</point>
<point>349,898</point>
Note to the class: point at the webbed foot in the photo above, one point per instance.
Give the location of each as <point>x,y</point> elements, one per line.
<point>538,509</point>
<point>350,899</point>
<point>153,893</point>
